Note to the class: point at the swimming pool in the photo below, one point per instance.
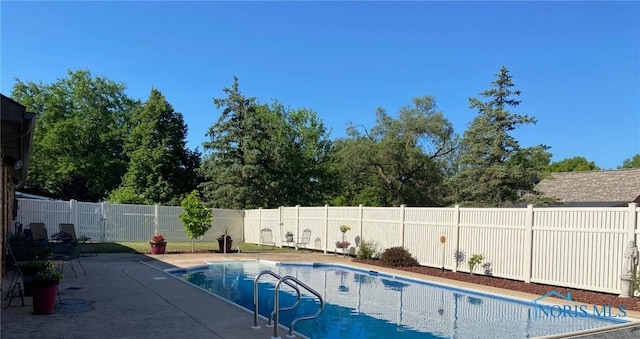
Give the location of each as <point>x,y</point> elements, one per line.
<point>365,304</point>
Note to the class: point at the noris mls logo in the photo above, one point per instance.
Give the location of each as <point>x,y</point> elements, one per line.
<point>572,309</point>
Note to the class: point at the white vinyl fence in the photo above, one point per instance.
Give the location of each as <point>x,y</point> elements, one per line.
<point>571,247</point>
<point>104,222</point>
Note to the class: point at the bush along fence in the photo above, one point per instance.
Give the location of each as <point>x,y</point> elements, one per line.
<point>571,247</point>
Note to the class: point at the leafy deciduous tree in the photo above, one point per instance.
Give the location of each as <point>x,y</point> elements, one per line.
<point>633,162</point>
<point>196,217</point>
<point>399,161</point>
<point>78,142</point>
<point>575,164</point>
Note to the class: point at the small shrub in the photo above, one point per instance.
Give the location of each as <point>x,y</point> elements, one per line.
<point>367,250</point>
<point>474,261</point>
<point>398,257</point>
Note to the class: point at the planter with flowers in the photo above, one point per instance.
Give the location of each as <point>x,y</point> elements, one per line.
<point>30,269</point>
<point>158,244</point>
<point>344,244</point>
<point>45,290</point>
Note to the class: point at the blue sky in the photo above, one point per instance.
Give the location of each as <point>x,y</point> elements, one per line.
<point>576,63</point>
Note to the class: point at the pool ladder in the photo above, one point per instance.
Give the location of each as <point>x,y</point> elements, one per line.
<point>276,303</point>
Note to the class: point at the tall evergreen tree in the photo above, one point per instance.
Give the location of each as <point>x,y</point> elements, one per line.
<point>162,170</point>
<point>494,169</point>
<point>234,164</point>
<point>265,156</point>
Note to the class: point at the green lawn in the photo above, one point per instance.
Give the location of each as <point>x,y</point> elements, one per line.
<point>181,247</point>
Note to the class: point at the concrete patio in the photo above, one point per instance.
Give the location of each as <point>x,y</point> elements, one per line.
<point>129,296</point>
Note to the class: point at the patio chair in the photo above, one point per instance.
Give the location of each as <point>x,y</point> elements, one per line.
<point>63,251</point>
<point>266,237</point>
<point>305,239</point>
<point>68,234</point>
<point>38,232</point>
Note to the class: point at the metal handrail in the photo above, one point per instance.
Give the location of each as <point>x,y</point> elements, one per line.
<point>296,320</point>
<point>255,296</point>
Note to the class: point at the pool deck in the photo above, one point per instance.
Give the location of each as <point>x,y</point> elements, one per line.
<point>130,296</point>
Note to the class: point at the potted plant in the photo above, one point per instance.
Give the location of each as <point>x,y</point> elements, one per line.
<point>45,290</point>
<point>158,244</point>
<point>29,269</point>
<point>224,243</point>
<point>289,236</point>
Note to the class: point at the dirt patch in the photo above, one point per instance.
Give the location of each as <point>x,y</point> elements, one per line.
<point>583,296</point>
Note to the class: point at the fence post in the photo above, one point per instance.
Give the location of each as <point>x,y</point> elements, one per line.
<point>155,218</point>
<point>528,244</point>
<point>326,228</point>
<point>259,228</point>
<point>103,218</point>
<point>280,223</point>
<point>297,223</point>
<point>360,223</point>
<point>73,217</point>
<point>402,224</point>
<point>632,223</point>
<point>456,234</point>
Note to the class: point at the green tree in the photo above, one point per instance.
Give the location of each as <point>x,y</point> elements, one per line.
<point>633,162</point>
<point>79,135</point>
<point>575,164</point>
<point>494,170</point>
<point>302,172</point>
<point>162,170</point>
<point>400,161</point>
<point>264,156</point>
<point>233,164</point>
<point>196,217</point>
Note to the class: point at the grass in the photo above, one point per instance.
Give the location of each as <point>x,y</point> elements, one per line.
<point>181,247</point>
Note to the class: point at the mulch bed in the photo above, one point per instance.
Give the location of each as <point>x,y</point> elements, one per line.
<point>583,296</point>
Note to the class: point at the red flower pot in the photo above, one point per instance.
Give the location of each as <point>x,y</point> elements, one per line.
<point>44,296</point>
<point>158,247</point>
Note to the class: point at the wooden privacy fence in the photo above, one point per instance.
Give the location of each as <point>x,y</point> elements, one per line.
<point>571,247</point>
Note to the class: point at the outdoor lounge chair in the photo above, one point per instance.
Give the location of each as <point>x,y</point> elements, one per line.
<point>266,237</point>
<point>305,239</point>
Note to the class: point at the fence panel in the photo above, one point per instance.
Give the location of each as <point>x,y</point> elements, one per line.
<point>51,213</point>
<point>581,248</point>
<point>423,227</point>
<point>89,221</point>
<point>382,225</point>
<point>498,235</point>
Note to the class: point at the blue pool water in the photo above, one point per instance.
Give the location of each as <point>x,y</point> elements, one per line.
<point>364,304</point>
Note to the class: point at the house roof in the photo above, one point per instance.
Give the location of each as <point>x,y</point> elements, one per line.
<point>605,188</point>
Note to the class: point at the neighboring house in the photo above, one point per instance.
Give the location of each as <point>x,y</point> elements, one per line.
<point>611,188</point>
<point>16,137</point>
